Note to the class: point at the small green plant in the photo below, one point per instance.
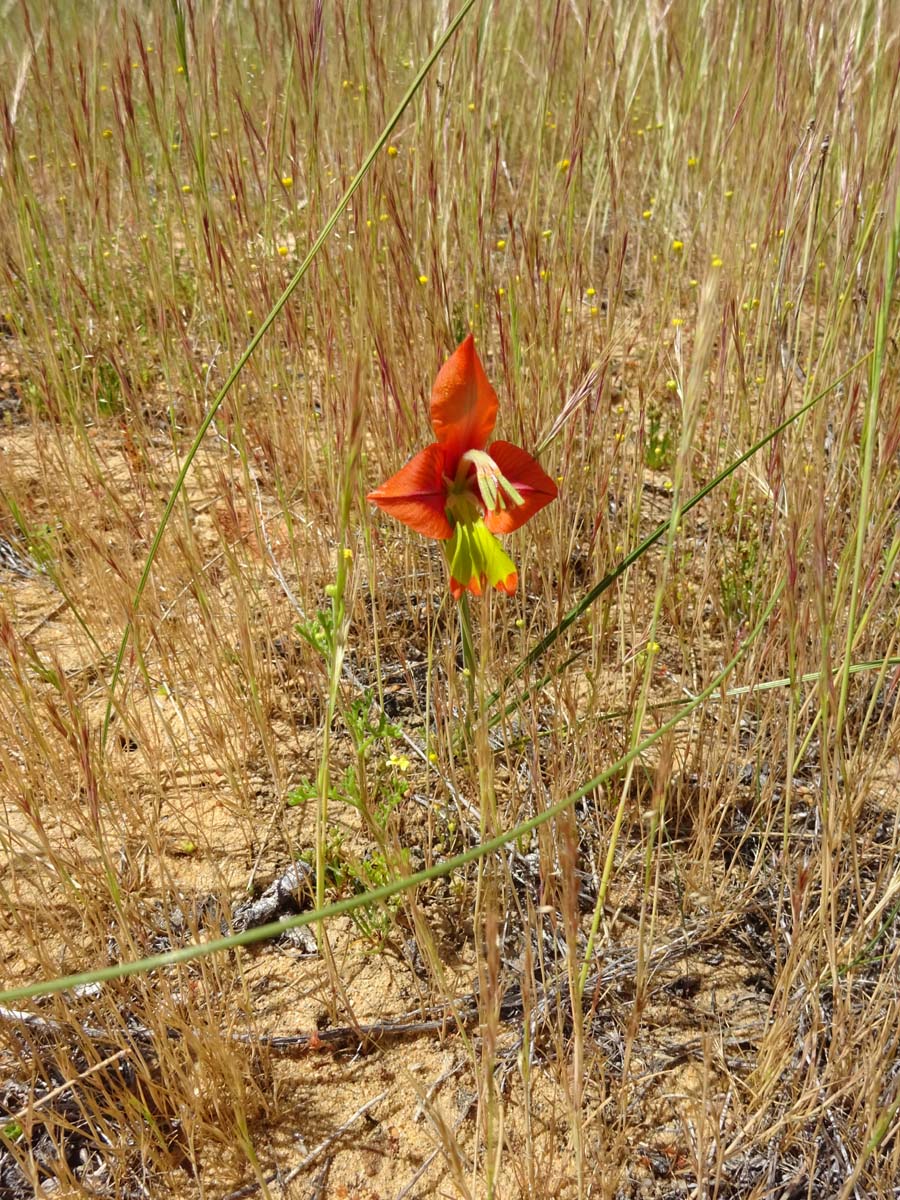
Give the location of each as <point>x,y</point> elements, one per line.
<point>108,389</point>
<point>374,784</point>
<point>349,874</point>
<point>739,569</point>
<point>42,544</point>
<point>318,632</point>
<point>659,445</point>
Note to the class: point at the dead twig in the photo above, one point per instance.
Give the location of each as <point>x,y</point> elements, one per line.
<point>250,1189</point>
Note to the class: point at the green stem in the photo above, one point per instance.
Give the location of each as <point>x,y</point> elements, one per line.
<point>470,663</point>
<point>869,438</point>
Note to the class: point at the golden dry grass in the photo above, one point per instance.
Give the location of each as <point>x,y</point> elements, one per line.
<point>669,228</point>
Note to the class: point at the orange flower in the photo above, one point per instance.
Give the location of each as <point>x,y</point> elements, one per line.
<point>462,491</point>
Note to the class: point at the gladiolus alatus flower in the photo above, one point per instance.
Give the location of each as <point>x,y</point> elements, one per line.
<point>462,491</point>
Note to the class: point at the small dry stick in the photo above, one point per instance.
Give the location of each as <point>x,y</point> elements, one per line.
<point>251,1189</point>
<point>25,1112</point>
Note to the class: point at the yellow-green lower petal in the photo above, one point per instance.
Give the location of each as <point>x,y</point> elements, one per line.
<point>476,558</point>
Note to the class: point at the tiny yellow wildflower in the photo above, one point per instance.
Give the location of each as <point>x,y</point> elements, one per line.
<point>677,245</point>
<point>179,70</point>
<point>678,322</point>
<point>283,250</point>
<point>594,310</point>
<point>471,107</point>
<point>672,385</point>
<point>348,554</point>
<point>647,214</point>
<point>590,291</point>
<point>287,181</point>
<point>186,188</point>
<point>393,151</point>
<point>501,243</point>
<point>692,162</point>
<point>564,164</point>
<point>520,623</point>
<point>423,279</point>
<point>716,261</point>
<point>107,133</point>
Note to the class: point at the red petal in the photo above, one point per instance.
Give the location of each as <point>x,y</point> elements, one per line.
<point>476,585</point>
<point>417,494</point>
<point>529,479</point>
<point>463,403</point>
<point>457,588</point>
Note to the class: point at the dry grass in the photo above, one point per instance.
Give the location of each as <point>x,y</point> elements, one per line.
<point>668,230</point>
